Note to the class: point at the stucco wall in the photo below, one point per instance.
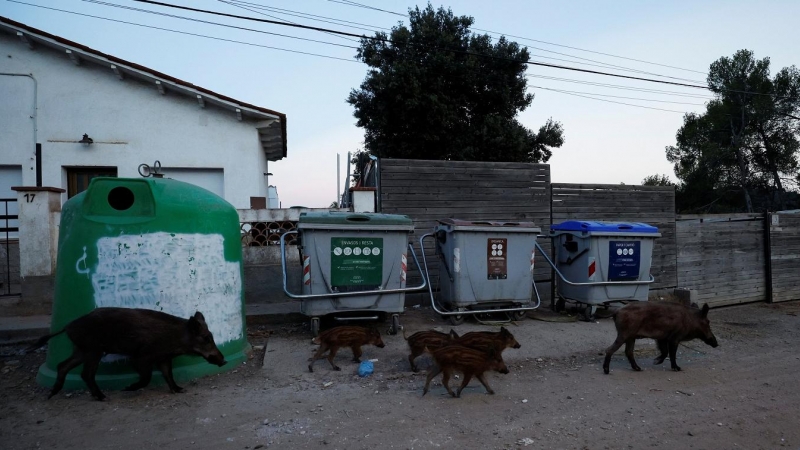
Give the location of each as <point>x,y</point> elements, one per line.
<point>130,121</point>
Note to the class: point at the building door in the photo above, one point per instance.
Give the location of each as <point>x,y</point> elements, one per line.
<point>78,178</point>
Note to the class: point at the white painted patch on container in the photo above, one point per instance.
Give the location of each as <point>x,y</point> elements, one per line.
<point>456,260</point>
<point>174,273</point>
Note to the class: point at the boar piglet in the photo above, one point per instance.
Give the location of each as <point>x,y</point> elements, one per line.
<point>484,340</point>
<point>431,339</point>
<point>149,338</point>
<point>668,323</point>
<point>346,336</point>
<point>469,361</point>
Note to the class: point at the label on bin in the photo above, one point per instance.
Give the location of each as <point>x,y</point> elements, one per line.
<point>356,261</point>
<point>497,258</point>
<point>623,260</point>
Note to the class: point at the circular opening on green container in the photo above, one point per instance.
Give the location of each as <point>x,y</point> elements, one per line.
<point>120,198</point>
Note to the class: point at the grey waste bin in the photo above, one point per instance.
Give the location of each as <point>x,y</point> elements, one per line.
<point>485,264</point>
<point>601,262</point>
<point>354,265</point>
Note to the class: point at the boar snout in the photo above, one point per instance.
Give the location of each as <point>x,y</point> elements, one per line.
<point>503,370</point>
<point>712,341</point>
<point>380,345</point>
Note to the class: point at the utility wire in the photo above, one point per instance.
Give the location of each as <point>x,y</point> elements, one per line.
<point>555,66</point>
<point>184,32</point>
<point>601,63</point>
<point>608,101</point>
<point>289,12</point>
<point>623,87</point>
<point>622,97</point>
<point>360,5</point>
<point>130,8</point>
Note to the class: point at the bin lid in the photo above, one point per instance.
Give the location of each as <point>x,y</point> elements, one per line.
<point>335,220</point>
<point>491,226</point>
<point>597,227</point>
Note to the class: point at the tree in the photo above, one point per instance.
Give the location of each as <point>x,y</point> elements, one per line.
<point>435,90</point>
<point>746,140</point>
<point>657,180</point>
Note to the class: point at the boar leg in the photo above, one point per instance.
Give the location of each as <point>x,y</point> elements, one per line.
<point>64,367</point>
<point>411,358</point>
<point>481,377</point>
<point>90,365</point>
<point>663,347</point>
<point>629,353</point>
<point>673,350</point>
<point>432,372</point>
<point>318,355</point>
<point>332,355</point>
<point>356,353</point>
<point>145,370</point>
<point>610,351</point>
<point>166,369</point>
<point>446,383</point>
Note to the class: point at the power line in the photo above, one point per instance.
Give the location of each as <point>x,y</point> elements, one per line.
<point>360,5</point>
<point>130,8</point>
<point>622,97</point>
<point>608,101</point>
<point>289,12</point>
<point>185,32</point>
<point>601,63</point>
<point>533,63</point>
<point>622,87</point>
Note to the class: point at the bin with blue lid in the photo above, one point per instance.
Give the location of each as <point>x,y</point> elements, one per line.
<point>354,265</point>
<point>603,262</point>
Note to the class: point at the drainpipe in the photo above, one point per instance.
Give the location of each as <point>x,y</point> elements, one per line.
<point>37,148</point>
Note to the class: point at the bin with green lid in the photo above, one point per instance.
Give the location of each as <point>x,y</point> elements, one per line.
<point>354,265</point>
<point>151,243</point>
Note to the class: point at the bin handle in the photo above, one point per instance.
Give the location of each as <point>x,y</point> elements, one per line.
<point>593,283</point>
<point>345,294</point>
<point>357,218</point>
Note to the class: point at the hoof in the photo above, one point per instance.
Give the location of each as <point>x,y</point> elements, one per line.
<point>637,368</point>
<point>337,368</point>
<point>676,368</point>
<point>178,390</point>
<point>310,369</point>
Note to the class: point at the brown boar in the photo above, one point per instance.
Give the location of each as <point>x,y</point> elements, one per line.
<point>345,336</point>
<point>431,339</point>
<point>484,340</point>
<point>669,324</point>
<point>469,361</point>
<point>149,338</point>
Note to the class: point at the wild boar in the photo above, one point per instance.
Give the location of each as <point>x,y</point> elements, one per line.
<point>431,339</point>
<point>484,340</point>
<point>345,336</point>
<point>149,338</point>
<point>469,361</point>
<point>669,324</point>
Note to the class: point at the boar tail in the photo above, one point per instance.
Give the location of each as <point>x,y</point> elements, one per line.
<point>42,340</point>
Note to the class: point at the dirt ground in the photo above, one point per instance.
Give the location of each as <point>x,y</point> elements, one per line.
<point>743,394</point>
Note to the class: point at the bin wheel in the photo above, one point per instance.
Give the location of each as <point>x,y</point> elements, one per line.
<point>457,319</point>
<point>561,305</point>
<point>588,312</point>
<point>314,326</point>
<point>395,324</point>
<point>518,315</point>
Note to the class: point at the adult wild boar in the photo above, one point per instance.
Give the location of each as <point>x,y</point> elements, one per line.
<point>669,324</point>
<point>149,338</point>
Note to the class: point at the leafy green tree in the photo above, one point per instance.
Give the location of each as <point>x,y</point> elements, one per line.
<point>747,140</point>
<point>657,180</point>
<point>435,90</point>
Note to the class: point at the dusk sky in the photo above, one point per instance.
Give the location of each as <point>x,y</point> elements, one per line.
<point>605,142</point>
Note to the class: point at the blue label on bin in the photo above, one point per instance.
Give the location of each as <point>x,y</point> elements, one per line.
<point>623,260</point>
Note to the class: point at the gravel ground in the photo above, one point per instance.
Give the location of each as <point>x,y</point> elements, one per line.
<point>743,394</point>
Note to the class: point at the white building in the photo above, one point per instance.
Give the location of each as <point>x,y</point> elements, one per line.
<point>55,91</point>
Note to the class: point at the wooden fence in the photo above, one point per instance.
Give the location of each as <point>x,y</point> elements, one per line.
<point>722,258</point>
<point>428,191</point>
<point>726,259</point>
<point>784,263</point>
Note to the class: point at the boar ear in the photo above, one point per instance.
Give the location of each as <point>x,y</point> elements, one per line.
<point>193,325</point>
<point>503,330</point>
<point>453,334</point>
<point>704,311</point>
<point>199,316</point>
